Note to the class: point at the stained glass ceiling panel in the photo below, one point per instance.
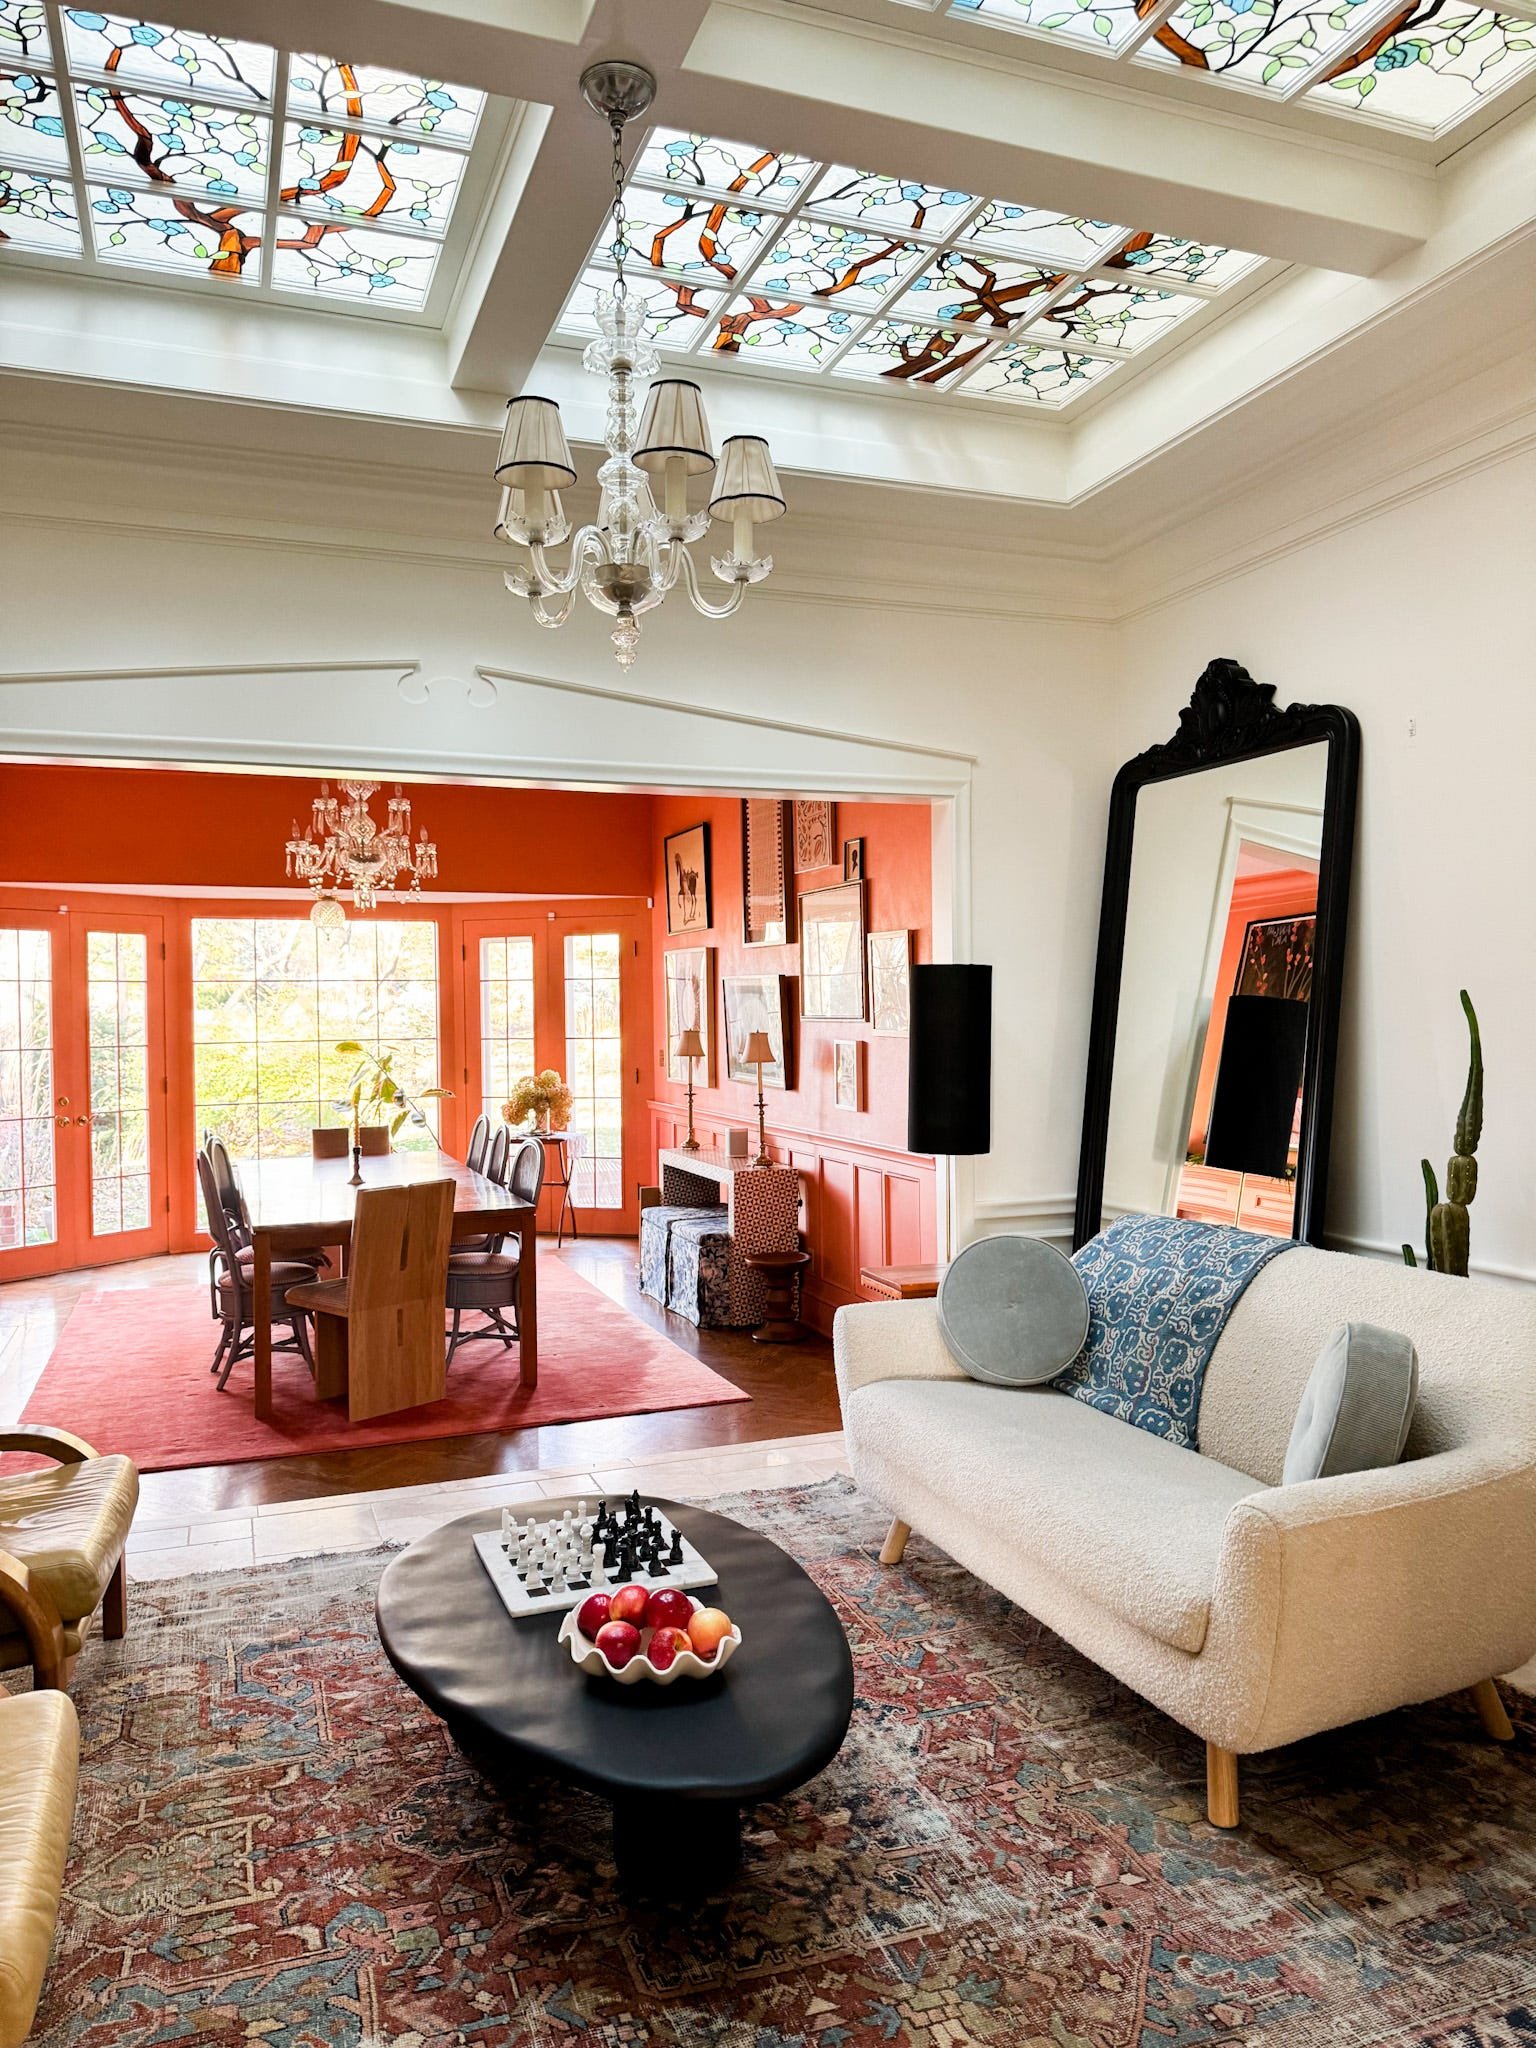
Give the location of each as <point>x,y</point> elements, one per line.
<point>767,262</point>
<point>175,134</point>
<point>1419,65</point>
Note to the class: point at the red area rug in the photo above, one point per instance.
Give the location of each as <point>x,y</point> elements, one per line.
<point>130,1373</point>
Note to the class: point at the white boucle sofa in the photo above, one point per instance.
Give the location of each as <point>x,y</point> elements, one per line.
<point>1252,1612</point>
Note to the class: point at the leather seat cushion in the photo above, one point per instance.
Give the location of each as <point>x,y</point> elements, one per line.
<point>39,1765</point>
<point>68,1526</point>
<point>483,1263</point>
<point>285,1273</point>
<point>309,1256</point>
<point>1122,1517</point>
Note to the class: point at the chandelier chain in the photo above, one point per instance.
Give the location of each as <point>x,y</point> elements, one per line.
<point>620,232</point>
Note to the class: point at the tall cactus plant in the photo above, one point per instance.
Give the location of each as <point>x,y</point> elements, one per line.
<point>1447,1224</point>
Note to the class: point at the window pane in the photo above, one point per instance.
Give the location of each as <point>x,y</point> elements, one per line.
<point>117,1003</point>
<point>506,1019</point>
<point>594,1069</point>
<point>272,996</point>
<point>26,1090</point>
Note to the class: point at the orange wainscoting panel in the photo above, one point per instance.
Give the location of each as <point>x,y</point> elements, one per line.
<point>863,1205</point>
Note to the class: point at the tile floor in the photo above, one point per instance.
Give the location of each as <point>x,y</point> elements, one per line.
<point>164,1549</point>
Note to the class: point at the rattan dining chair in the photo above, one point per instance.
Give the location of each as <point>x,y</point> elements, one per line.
<point>479,1144</point>
<point>485,1282</point>
<point>235,1293</point>
<point>232,1201</point>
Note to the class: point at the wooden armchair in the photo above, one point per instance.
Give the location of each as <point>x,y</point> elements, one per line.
<point>61,1552</point>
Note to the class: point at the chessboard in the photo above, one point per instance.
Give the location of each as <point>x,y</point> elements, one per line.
<point>545,1567</point>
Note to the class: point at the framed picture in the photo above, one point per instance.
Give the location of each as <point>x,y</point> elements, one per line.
<point>756,1002</point>
<point>690,973</point>
<point>890,983</point>
<point>815,835</point>
<point>1277,958</point>
<point>832,951</point>
<point>688,899</point>
<point>848,1072</point>
<point>853,860</point>
<point>767,907</point>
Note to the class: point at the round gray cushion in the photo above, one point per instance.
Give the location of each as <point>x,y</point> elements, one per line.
<point>1357,1407</point>
<point>1013,1311</point>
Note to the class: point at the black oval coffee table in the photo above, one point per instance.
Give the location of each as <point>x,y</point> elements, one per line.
<point>678,1762</point>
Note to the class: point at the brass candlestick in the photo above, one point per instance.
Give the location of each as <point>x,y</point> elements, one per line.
<point>689,1047</point>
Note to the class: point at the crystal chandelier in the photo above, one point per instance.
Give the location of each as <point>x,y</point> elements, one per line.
<point>627,561</point>
<point>342,848</point>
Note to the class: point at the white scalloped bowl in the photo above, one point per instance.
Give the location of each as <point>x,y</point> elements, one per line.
<point>586,1656</point>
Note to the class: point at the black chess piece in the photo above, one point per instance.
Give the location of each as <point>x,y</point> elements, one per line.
<point>634,1507</point>
<point>675,1554</point>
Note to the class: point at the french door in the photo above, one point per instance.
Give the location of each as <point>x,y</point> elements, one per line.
<point>82,1090</point>
<point>568,993</point>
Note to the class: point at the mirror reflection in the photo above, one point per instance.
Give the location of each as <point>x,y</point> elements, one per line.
<point>1206,1098</point>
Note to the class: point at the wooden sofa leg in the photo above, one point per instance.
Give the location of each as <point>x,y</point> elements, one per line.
<point>1220,1786</point>
<point>1490,1711</point>
<point>114,1606</point>
<point>894,1548</point>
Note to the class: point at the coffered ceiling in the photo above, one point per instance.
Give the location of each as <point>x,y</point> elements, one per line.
<point>1017,249</point>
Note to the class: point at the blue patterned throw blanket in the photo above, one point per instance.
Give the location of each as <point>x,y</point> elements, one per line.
<point>1160,1290</point>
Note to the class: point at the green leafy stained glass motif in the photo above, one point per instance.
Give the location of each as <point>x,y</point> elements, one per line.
<point>32,119</point>
<point>366,177</point>
<point>835,259</point>
<point>1264,43</point>
<point>1166,256</point>
<point>352,262</point>
<point>387,99</point>
<point>1119,316</point>
<point>38,212</point>
<point>1428,66</point>
<point>675,311</point>
<point>892,206</point>
<point>904,354</point>
<point>789,335</point>
<point>692,236</point>
<point>220,150</point>
<point>144,53</point>
<point>1062,239</point>
<point>1036,376</point>
<point>187,233</point>
<point>964,284</point>
<point>23,32</point>
<point>1102,24</point>
<point>735,169</point>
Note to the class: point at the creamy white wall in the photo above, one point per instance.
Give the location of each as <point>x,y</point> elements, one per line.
<point>1421,617</point>
<point>1024,698</point>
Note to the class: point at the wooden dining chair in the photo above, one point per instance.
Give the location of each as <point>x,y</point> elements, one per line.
<point>234,1287</point>
<point>487,1281</point>
<point>328,1141</point>
<point>479,1144</point>
<point>379,1332</point>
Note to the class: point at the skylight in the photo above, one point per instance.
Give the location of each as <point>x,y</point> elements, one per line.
<point>133,146</point>
<point>1423,66</point>
<point>747,256</point>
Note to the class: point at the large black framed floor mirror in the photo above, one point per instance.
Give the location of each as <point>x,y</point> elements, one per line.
<point>1220,970</point>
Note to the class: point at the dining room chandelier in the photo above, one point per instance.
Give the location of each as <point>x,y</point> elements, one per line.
<point>633,554</point>
<point>342,848</point>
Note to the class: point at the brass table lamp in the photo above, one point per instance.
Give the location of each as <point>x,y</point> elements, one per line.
<point>758,1052</point>
<point>689,1047</point>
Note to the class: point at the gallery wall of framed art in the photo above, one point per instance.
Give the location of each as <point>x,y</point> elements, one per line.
<point>747,860</point>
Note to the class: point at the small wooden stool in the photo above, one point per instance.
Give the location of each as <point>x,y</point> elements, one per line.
<point>781,1273</point>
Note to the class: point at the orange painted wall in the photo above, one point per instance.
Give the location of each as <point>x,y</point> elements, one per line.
<point>869,1201</point>
<point>171,828</point>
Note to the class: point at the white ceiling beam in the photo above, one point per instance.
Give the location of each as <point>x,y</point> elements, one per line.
<point>831,89</point>
<point>549,204</point>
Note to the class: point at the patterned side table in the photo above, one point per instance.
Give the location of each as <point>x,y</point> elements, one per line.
<point>762,1215</point>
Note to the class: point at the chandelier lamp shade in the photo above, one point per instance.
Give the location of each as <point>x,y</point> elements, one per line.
<point>342,848</point>
<point>636,551</point>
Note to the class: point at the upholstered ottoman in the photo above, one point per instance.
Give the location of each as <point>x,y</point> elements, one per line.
<point>656,1225</point>
<point>711,1283</point>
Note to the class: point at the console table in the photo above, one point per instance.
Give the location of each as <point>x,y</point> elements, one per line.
<point>762,1202</point>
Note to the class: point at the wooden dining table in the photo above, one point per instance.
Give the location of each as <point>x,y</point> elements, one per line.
<point>298,1202</point>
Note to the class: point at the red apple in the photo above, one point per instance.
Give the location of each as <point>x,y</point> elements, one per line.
<point>592,1613</point>
<point>666,1646</point>
<point>630,1603</point>
<point>618,1641</point>
<point>707,1629</point>
<point>668,1608</point>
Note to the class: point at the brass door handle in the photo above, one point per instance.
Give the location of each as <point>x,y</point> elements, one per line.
<point>63,1122</point>
<point>84,1121</point>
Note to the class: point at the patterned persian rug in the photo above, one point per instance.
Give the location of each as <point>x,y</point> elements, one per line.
<point>277,1844</point>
